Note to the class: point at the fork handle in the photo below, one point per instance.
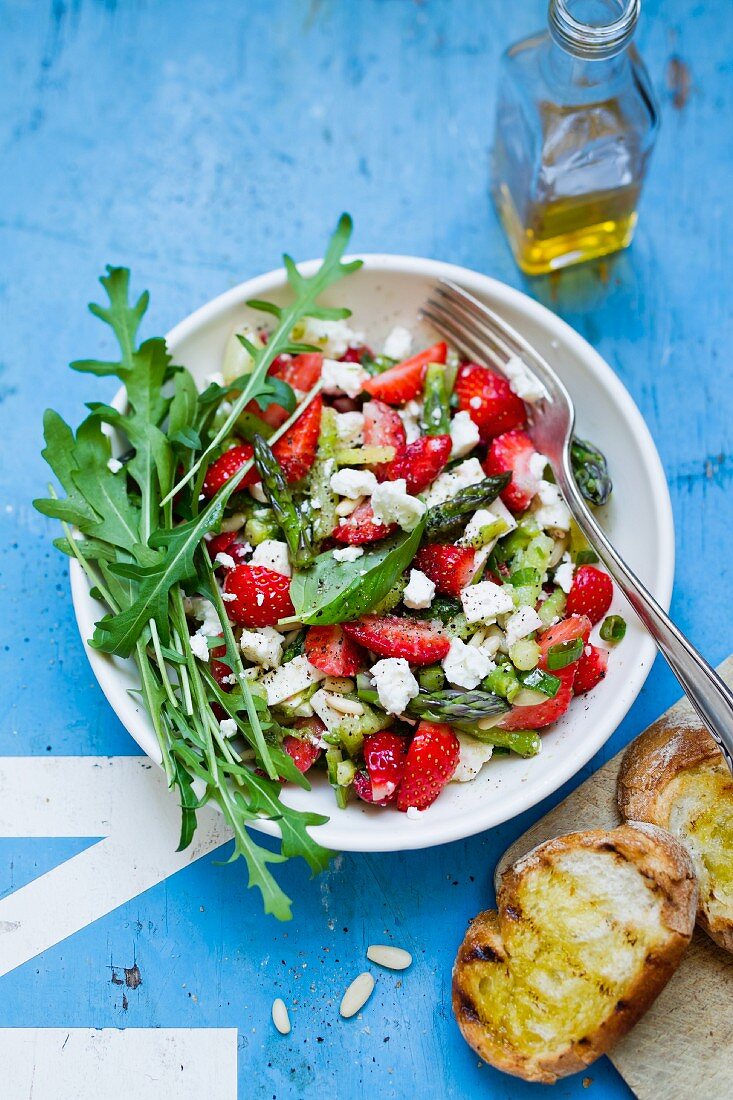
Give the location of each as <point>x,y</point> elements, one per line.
<point>711,698</point>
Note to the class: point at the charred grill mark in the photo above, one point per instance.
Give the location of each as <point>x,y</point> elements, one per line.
<point>482,952</point>
<point>466,1007</point>
<point>513,912</point>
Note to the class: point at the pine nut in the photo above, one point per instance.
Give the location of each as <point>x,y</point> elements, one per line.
<point>342,705</point>
<point>280,1016</point>
<point>346,507</point>
<point>235,522</point>
<point>394,958</point>
<point>479,637</point>
<point>342,685</point>
<point>357,995</point>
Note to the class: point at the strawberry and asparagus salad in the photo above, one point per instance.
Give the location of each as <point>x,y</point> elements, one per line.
<point>332,557</point>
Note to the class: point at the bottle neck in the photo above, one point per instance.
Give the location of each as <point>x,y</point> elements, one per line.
<point>593,30</point>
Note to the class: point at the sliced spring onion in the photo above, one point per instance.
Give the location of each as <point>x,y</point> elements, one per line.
<point>564,654</point>
<point>613,628</point>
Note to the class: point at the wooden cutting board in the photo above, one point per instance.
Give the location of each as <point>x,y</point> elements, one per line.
<point>683,1046</point>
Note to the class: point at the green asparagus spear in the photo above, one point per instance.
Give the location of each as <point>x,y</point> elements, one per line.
<point>436,409</point>
<point>297,532</point>
<point>591,471</point>
<point>446,521</point>
<point>324,515</point>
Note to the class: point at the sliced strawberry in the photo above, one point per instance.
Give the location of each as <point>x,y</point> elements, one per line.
<point>489,401</point>
<point>219,544</point>
<point>296,451</point>
<point>300,372</point>
<point>363,788</point>
<point>450,568</point>
<point>421,462</point>
<point>390,636</point>
<point>332,651</point>
<point>384,756</point>
<point>590,593</point>
<point>262,595</point>
<point>432,759</point>
<point>226,466</point>
<point>404,381</point>
<point>512,453</point>
<point>543,714</point>
<point>355,355</point>
<point>360,527</point>
<point>592,667</point>
<point>383,428</point>
<point>302,750</point>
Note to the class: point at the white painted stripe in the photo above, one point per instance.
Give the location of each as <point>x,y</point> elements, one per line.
<point>144,1063</point>
<point>123,799</point>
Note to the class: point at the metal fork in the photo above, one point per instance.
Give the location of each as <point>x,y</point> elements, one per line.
<point>475,329</point>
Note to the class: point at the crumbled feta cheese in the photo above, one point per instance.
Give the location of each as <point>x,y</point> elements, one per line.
<point>464,435</point>
<point>199,647</point>
<point>465,665</point>
<point>114,464</point>
<point>398,343</point>
<point>204,611</point>
<point>273,554</point>
<point>522,381</point>
<point>348,553</point>
<point>262,647</point>
<point>413,814</point>
<point>228,727</point>
<point>229,597</point>
<point>537,465</point>
<point>564,573</point>
<point>330,717</point>
<point>345,378</point>
<point>482,602</point>
<point>353,483</point>
<point>419,592</point>
<point>391,503</point>
<point>290,679</point>
<point>225,559</point>
<point>553,512</point>
<point>335,337</point>
<point>474,754</point>
<point>520,624</point>
<point>410,416</point>
<point>258,493</point>
<point>496,516</point>
<point>350,428</point>
<point>395,684</point>
<point>449,483</point>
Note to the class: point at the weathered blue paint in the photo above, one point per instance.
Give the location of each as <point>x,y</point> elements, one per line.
<point>194,142</point>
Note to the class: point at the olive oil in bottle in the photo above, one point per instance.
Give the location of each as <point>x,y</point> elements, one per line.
<point>576,124</point>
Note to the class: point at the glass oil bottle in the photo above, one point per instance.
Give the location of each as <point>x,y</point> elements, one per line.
<point>576,124</point>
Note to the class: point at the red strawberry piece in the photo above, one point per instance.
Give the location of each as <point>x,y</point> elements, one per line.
<point>511,453</point>
<point>363,788</point>
<point>544,713</point>
<point>450,568</point>
<point>383,428</point>
<point>301,372</point>
<point>225,466</point>
<point>384,756</point>
<point>220,544</point>
<point>421,462</point>
<point>489,401</point>
<point>360,527</point>
<point>404,381</point>
<point>296,451</point>
<point>591,669</point>
<point>355,355</point>
<point>432,758</point>
<point>302,751</point>
<point>332,651</point>
<point>390,636</point>
<point>590,593</point>
<point>262,595</point>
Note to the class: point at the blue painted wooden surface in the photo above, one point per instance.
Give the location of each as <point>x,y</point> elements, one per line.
<point>193,142</point>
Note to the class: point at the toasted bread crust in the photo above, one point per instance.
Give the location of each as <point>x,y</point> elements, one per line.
<point>649,766</point>
<point>666,866</point>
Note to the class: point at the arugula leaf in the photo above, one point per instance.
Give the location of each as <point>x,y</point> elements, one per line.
<point>60,456</point>
<point>334,592</point>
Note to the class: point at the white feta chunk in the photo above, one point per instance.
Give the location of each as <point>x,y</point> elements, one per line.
<point>353,483</point>
<point>273,554</point>
<point>522,381</point>
<point>350,428</point>
<point>228,727</point>
<point>496,517</point>
<point>225,559</point>
<point>419,592</point>
<point>452,481</point>
<point>335,337</point>
<point>474,754</point>
<point>537,465</point>
<point>398,343</point>
<point>520,624</point>
<point>263,646</point>
<point>395,684</point>
<point>464,435</point>
<point>391,503</point>
<point>482,602</point>
<point>564,573</point>
<point>345,378</point>
<point>290,679</point>
<point>410,416</point>
<point>204,612</point>
<point>348,553</point>
<point>114,465</point>
<point>199,647</point>
<point>465,665</point>
<point>553,512</point>
<point>330,717</point>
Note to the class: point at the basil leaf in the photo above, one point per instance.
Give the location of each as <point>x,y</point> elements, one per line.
<point>334,591</point>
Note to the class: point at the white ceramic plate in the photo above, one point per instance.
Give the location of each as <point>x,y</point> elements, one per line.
<point>388,290</point>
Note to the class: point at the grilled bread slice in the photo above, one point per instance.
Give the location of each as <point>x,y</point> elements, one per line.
<point>678,779</point>
<point>589,929</point>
